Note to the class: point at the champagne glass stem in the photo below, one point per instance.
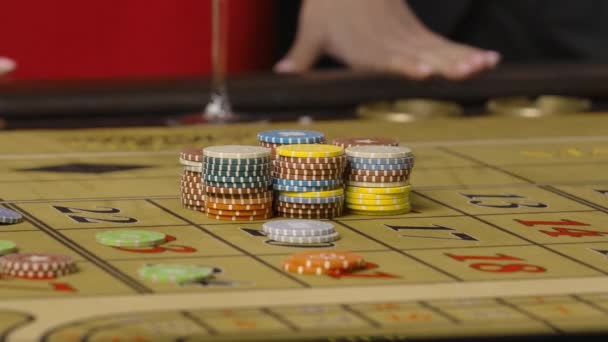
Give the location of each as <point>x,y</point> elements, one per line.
<point>218,108</point>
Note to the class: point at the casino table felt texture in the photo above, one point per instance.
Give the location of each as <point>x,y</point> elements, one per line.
<point>507,223</point>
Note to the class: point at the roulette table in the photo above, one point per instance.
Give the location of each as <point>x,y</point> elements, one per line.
<point>507,234</point>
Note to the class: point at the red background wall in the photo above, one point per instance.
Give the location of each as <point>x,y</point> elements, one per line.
<point>76,39</point>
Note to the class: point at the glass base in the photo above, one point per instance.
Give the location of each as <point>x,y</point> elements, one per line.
<point>218,110</point>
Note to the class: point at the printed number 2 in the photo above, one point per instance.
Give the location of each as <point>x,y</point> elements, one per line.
<point>78,215</point>
<point>506,201</point>
<point>496,267</point>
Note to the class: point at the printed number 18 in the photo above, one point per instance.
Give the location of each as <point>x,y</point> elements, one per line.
<point>498,267</point>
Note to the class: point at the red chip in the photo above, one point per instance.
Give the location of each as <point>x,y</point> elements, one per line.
<point>37,265</point>
<point>194,154</point>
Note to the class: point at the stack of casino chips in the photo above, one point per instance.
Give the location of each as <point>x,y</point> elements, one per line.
<point>237,182</point>
<point>37,265</point>
<point>275,138</point>
<point>301,232</point>
<point>191,192</point>
<point>308,179</point>
<point>346,142</point>
<point>378,180</point>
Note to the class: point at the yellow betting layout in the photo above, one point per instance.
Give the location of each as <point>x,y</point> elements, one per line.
<point>507,235</point>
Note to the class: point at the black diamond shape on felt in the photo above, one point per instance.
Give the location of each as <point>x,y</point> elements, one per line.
<point>85,168</point>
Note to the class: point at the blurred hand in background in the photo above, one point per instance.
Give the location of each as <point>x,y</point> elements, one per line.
<point>381,35</point>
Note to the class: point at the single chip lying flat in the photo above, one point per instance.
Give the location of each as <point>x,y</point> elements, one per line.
<point>176,274</point>
<point>130,238</point>
<point>8,216</point>
<point>328,260</point>
<point>7,247</point>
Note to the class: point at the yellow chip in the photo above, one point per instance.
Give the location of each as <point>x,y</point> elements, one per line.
<point>359,195</point>
<point>389,190</point>
<point>313,194</point>
<point>379,213</point>
<point>351,201</point>
<point>391,207</point>
<point>310,151</point>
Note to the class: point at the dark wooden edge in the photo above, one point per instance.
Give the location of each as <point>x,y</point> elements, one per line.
<point>280,93</point>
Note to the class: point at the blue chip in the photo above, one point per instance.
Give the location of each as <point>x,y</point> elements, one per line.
<point>311,200</point>
<point>291,136</point>
<point>376,167</point>
<point>290,188</point>
<point>309,183</point>
<point>8,216</point>
<point>382,161</point>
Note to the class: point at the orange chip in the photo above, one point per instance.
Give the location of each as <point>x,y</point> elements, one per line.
<point>237,200</point>
<point>312,262</point>
<point>299,269</point>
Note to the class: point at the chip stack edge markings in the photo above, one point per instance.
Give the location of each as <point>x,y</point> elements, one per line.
<point>37,265</point>
<point>237,182</point>
<point>300,231</point>
<point>192,196</point>
<point>310,175</point>
<point>378,180</point>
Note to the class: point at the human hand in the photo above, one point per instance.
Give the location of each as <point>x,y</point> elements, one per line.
<point>381,35</point>
<point>6,66</point>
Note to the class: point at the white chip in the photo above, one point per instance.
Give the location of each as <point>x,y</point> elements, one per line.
<point>193,168</point>
<point>237,152</point>
<point>377,151</point>
<point>190,163</point>
<point>295,228</point>
<point>306,239</point>
<point>377,185</point>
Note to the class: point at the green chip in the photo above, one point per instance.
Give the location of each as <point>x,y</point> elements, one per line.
<point>177,274</point>
<point>7,247</point>
<point>130,238</point>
